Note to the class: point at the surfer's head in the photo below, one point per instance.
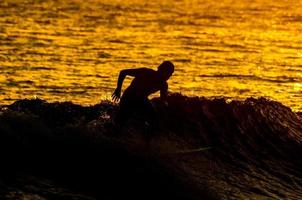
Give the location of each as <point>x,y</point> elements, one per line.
<point>166,69</point>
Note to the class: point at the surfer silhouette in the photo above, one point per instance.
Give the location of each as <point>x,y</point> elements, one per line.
<point>135,98</point>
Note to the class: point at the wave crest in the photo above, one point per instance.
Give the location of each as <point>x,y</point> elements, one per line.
<point>211,148</point>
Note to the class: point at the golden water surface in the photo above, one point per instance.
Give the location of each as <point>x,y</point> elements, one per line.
<point>72,50</point>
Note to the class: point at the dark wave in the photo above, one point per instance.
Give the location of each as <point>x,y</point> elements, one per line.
<point>200,149</point>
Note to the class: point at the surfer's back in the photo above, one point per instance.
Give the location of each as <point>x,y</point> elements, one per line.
<point>146,81</point>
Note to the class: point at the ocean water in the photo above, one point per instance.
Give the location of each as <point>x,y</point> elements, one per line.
<point>73,50</point>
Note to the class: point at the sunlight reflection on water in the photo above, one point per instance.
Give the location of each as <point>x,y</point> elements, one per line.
<point>73,50</point>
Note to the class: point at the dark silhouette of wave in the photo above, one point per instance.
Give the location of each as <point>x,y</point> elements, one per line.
<point>200,149</point>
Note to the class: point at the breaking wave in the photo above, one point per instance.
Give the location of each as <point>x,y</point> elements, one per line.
<point>200,149</point>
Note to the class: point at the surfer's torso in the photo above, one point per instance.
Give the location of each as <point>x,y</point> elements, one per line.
<point>146,82</point>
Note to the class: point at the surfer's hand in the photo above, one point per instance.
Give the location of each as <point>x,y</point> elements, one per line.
<point>116,94</point>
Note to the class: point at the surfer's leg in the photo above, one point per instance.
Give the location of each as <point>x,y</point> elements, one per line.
<point>149,117</point>
<point>124,112</point>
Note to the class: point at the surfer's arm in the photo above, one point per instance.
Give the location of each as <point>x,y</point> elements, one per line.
<point>123,73</point>
<point>164,93</point>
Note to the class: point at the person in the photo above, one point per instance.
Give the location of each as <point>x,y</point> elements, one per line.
<point>135,98</point>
